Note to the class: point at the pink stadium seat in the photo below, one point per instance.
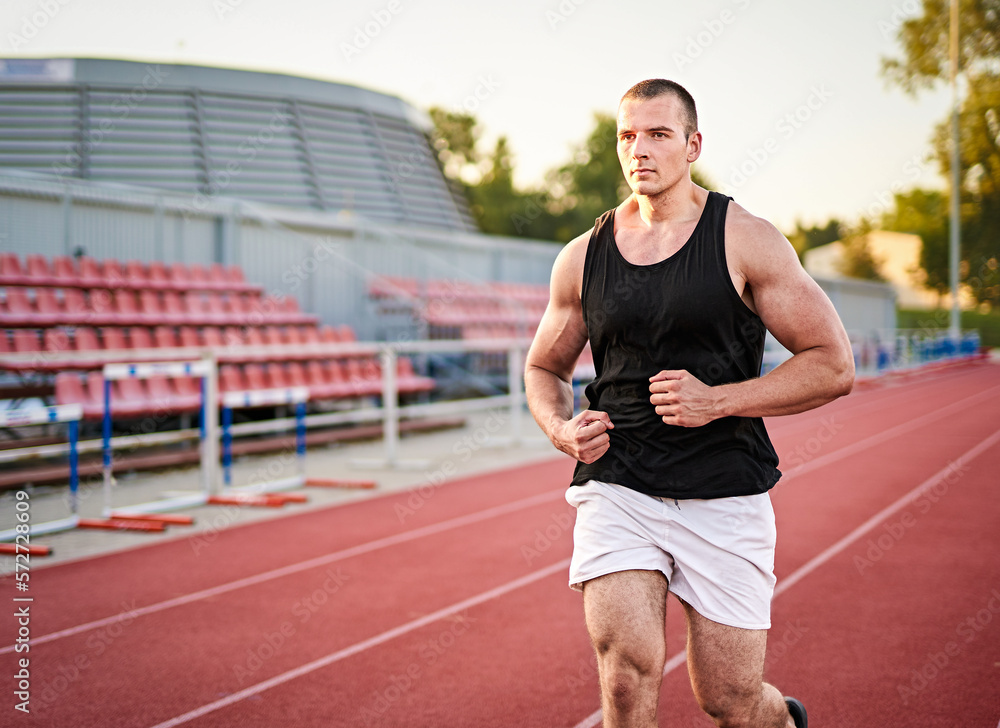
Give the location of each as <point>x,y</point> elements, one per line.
<point>85,339</point>
<point>113,274</point>
<point>346,334</point>
<point>141,337</point>
<point>189,336</point>
<point>254,336</point>
<point>48,306</point>
<point>189,388</point>
<point>408,381</point>
<point>231,378</point>
<point>233,336</point>
<point>129,397</point>
<point>194,308</point>
<point>126,307</point>
<point>329,335</point>
<point>136,274</point>
<point>296,374</point>
<point>212,336</point>
<point>57,340</point>
<point>180,276</point>
<point>26,341</point>
<point>20,308</point>
<point>159,276</point>
<point>199,277</point>
<point>167,397</point>
<point>272,335</point>
<point>102,306</point>
<point>95,395</point>
<point>215,309</point>
<point>165,337</point>
<point>173,309</point>
<point>70,389</point>
<point>39,271</point>
<point>11,272</point>
<point>337,379</point>
<point>309,335</point>
<point>150,306</point>
<point>319,381</point>
<point>276,375</point>
<point>255,376</point>
<point>75,308</point>
<point>90,275</point>
<point>4,342</point>
<point>292,335</point>
<point>114,338</point>
<point>64,271</point>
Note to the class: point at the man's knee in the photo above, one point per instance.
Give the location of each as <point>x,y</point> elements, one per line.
<point>731,710</point>
<point>627,680</point>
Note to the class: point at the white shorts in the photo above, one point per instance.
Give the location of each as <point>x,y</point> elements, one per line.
<point>717,554</point>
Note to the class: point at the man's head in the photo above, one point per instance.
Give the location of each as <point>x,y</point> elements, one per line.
<point>654,87</point>
<point>658,137</point>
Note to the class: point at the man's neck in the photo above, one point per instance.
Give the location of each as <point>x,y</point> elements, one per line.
<point>677,204</point>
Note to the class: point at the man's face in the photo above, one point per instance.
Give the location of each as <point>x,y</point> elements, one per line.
<point>652,149</point>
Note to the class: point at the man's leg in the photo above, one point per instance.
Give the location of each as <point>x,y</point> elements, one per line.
<point>726,665</point>
<point>625,613</point>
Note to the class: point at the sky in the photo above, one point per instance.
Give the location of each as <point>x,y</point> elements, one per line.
<point>798,123</point>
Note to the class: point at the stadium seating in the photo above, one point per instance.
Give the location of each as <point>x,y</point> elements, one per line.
<point>70,316</point>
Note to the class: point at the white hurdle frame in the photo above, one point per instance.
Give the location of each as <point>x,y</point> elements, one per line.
<point>297,396</point>
<point>71,414</point>
<point>205,369</point>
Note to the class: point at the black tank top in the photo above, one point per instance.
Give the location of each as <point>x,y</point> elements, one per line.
<point>679,313</point>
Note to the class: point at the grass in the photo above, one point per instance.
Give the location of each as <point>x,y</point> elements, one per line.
<point>988,324</point>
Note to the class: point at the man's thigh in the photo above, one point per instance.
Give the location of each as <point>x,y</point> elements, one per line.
<point>625,613</point>
<point>726,664</point>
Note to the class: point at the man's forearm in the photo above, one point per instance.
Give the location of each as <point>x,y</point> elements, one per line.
<point>808,380</point>
<point>549,397</point>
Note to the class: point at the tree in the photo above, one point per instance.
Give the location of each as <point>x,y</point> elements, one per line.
<point>803,239</point>
<point>925,64</point>
<point>924,213</point>
<point>858,260</point>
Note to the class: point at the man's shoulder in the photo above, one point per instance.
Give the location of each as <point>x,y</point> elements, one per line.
<point>743,228</point>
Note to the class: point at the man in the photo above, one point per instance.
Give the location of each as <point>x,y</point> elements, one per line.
<point>674,289</point>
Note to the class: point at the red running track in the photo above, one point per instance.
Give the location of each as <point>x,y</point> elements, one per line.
<point>448,605</point>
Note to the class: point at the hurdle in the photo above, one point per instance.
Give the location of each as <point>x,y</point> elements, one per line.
<point>71,414</point>
<point>206,371</point>
<point>265,493</point>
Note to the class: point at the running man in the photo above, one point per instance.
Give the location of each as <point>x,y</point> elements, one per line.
<point>674,289</point>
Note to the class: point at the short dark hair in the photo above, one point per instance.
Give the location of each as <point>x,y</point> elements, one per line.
<point>653,87</point>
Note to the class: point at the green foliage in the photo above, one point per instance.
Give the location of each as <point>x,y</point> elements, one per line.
<point>858,261</point>
<point>924,213</point>
<point>925,64</point>
<point>803,239</point>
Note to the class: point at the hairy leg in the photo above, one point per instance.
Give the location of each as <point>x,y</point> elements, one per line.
<point>625,614</point>
<point>726,665</point>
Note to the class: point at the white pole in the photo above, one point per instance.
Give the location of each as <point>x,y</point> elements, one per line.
<point>956,180</point>
<point>390,405</point>
<point>210,412</point>
<point>515,362</point>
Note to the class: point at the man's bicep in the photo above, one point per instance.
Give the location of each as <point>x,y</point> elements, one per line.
<point>798,312</point>
<point>562,333</point>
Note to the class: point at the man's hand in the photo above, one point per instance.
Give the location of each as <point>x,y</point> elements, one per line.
<point>585,437</point>
<point>682,399</point>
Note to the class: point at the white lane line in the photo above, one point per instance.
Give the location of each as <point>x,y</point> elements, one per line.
<point>365,645</point>
<point>810,566</point>
<point>302,566</point>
